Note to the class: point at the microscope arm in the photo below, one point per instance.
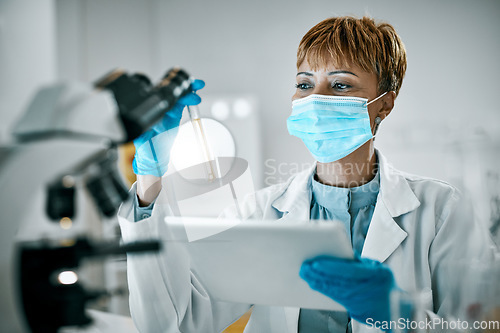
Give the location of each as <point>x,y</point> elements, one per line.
<point>71,109</point>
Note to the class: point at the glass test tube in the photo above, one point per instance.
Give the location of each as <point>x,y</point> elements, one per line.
<point>194,115</point>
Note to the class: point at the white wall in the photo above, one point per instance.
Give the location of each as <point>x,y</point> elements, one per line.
<point>445,123</point>
<point>27,60</point>
<point>27,55</point>
<point>446,108</point>
<point>249,47</point>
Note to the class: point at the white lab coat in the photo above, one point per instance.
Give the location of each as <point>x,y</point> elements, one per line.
<point>418,225</point>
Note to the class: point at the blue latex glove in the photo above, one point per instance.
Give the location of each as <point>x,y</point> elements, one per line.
<point>152,148</point>
<point>362,286</point>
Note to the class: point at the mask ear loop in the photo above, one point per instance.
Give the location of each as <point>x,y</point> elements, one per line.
<point>373,100</point>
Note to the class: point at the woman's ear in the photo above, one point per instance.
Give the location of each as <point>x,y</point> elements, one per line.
<point>387,104</point>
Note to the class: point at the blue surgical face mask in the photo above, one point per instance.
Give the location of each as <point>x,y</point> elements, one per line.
<point>331,127</point>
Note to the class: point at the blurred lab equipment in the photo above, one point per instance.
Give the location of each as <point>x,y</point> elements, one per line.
<point>408,311</point>
<point>51,294</point>
<point>493,181</point>
<point>476,294</point>
<point>240,115</point>
<point>73,165</point>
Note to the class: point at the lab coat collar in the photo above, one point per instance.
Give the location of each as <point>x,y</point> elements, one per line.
<point>384,234</point>
<point>395,198</point>
<point>395,191</point>
<point>295,197</point>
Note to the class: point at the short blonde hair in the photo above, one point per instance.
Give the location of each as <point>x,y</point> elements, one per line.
<point>374,47</point>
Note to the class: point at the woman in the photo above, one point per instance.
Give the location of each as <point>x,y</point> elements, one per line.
<point>404,228</point>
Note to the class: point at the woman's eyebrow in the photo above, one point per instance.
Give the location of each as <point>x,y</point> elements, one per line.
<point>341,72</point>
<point>330,73</point>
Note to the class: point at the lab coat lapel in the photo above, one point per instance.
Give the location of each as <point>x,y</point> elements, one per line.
<point>395,198</point>
<point>292,318</point>
<point>384,235</point>
<point>295,201</point>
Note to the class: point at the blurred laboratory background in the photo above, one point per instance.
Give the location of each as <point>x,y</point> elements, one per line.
<point>445,124</point>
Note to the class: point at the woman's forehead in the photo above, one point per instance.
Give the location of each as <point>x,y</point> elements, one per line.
<point>331,67</point>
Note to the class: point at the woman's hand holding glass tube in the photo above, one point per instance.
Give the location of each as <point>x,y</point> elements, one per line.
<point>152,148</point>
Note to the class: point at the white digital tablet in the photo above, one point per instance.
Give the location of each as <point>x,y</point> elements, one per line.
<point>258,262</point>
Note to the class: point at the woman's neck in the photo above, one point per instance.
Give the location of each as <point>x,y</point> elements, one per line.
<point>354,170</point>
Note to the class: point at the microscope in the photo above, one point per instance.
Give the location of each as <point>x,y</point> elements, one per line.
<point>58,154</point>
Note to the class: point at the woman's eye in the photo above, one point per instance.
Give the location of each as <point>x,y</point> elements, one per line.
<point>340,86</point>
<point>303,86</point>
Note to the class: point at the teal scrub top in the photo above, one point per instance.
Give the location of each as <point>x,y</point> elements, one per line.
<point>354,208</point>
